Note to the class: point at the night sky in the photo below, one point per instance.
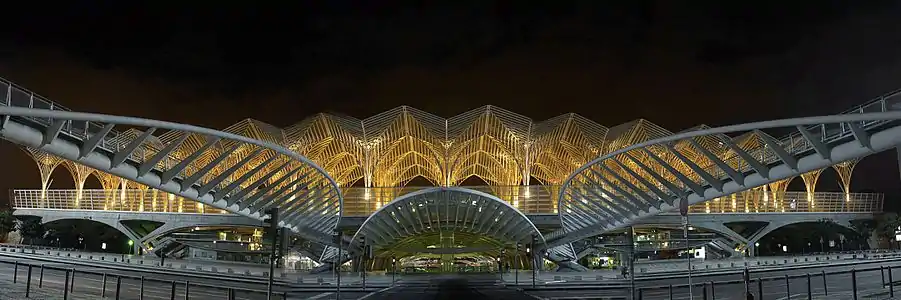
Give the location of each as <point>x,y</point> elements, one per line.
<point>675,64</point>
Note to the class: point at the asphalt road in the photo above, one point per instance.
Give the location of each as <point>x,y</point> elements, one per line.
<point>156,286</point>
<point>837,284</point>
<point>451,287</point>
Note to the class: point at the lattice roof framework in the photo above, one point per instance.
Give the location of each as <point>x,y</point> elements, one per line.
<point>391,148</point>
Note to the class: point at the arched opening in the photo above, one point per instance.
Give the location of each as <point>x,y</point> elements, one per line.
<point>419,181</point>
<point>808,237</point>
<point>61,179</point>
<point>473,181</point>
<point>796,185</point>
<point>86,235</point>
<point>829,182</point>
<point>93,182</point>
<point>447,230</point>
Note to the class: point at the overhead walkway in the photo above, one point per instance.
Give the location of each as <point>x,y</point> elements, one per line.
<point>257,175</point>
<point>625,186</point>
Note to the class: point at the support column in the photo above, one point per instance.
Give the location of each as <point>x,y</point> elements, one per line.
<point>898,152</point>
<point>810,184</point>
<point>80,174</point>
<point>47,163</point>
<point>844,170</point>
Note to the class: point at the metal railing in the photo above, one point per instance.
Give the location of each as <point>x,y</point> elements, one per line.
<point>795,143</point>
<point>532,199</point>
<point>17,96</point>
<point>111,284</point>
<point>759,201</point>
<point>132,200</point>
<point>761,286</point>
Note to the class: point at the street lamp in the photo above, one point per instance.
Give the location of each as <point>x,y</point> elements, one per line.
<point>393,269</point>
<point>500,262</point>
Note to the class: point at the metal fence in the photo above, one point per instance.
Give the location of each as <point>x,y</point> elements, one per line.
<point>111,284</point>
<point>797,286</point>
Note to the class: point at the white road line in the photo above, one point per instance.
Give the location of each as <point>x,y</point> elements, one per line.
<point>385,290</point>
<point>320,296</point>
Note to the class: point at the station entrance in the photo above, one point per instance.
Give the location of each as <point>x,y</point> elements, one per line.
<point>447,230</point>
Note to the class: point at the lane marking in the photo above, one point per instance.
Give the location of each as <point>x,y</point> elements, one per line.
<point>320,296</point>
<point>367,296</point>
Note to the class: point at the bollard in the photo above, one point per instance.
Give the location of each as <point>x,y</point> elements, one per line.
<point>882,273</point>
<point>103,286</point>
<point>28,283</point>
<point>41,277</point>
<point>788,292</point>
<point>854,283</point>
<point>891,283</point>
<point>66,286</point>
<point>231,294</point>
<point>186,289</point>
<point>809,289</point>
<point>712,290</point>
<point>284,295</point>
<point>72,283</point>
<point>825,286</point>
<point>118,286</point>
<point>172,293</point>
<point>759,288</point>
<point>141,293</point>
<point>746,276</point>
<point>640,294</point>
<point>15,271</point>
<point>703,291</point>
<point>670,292</point>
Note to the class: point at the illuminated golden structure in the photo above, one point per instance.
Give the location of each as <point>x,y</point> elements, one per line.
<point>521,160</point>
<point>648,170</point>
<point>597,178</point>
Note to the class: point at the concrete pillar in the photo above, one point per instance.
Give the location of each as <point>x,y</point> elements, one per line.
<point>631,255</point>
<point>898,153</point>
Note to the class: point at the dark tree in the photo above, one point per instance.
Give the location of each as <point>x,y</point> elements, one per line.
<point>31,228</point>
<point>7,222</point>
<point>863,230</point>
<point>886,226</point>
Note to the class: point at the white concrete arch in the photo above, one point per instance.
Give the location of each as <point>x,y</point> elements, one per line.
<point>596,199</point>
<point>310,200</point>
<point>451,209</point>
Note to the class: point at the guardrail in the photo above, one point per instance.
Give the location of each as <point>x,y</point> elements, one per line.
<point>245,273</point>
<point>721,264</point>
<point>758,284</point>
<point>71,278</point>
<point>234,272</point>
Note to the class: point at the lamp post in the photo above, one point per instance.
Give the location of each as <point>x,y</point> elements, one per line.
<point>534,265</point>
<point>515,267</point>
<point>501,262</point>
<point>683,210</point>
<point>339,239</point>
<point>393,269</point>
<point>131,247</point>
